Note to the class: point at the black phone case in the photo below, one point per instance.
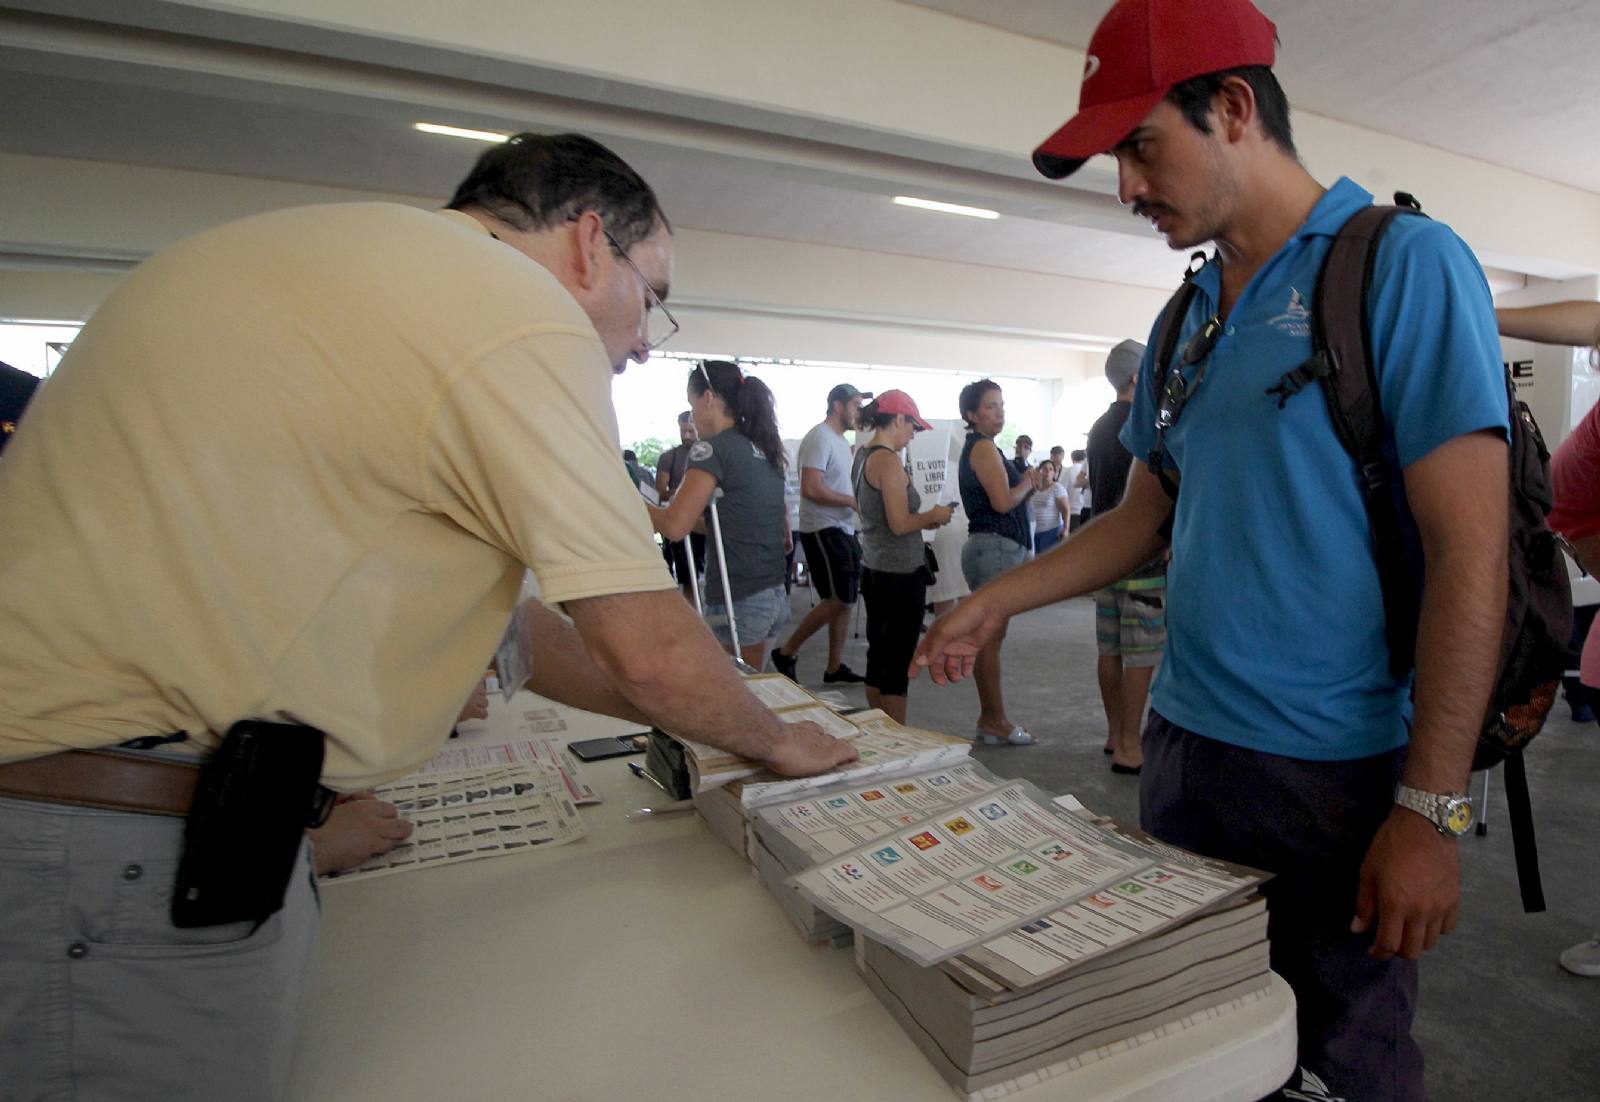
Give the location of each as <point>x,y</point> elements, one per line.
<point>256,796</point>
<point>598,749</point>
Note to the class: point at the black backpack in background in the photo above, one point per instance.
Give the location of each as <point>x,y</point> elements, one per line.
<point>1534,650</point>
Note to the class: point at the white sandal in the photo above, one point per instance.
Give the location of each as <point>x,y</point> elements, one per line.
<point>1019,736</point>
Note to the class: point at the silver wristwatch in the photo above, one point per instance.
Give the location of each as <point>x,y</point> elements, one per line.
<point>1451,813</point>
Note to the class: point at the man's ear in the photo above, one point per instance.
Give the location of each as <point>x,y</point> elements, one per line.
<point>589,243</point>
<point>1233,109</point>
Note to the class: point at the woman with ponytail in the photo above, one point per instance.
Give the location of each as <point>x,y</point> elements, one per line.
<point>740,453</point>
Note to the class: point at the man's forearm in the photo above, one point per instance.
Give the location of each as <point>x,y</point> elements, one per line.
<point>1105,550</point>
<point>563,671</point>
<point>665,662</point>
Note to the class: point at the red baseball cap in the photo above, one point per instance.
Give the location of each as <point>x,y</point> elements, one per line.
<point>1139,51</point>
<point>898,401</point>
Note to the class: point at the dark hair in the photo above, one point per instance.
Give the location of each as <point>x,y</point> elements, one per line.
<point>750,404</point>
<point>871,418</point>
<point>630,456</point>
<point>684,417</point>
<point>1079,455</point>
<point>972,397</point>
<point>536,181</point>
<point>1057,448</point>
<point>1025,439</point>
<point>1193,97</point>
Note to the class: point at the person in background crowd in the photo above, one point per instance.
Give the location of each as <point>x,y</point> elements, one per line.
<point>995,495</point>
<point>1575,472</point>
<point>16,391</point>
<point>1130,614</point>
<point>1051,506</point>
<point>1075,479</point>
<point>630,460</point>
<point>1024,449</point>
<point>686,557</point>
<point>293,470</point>
<point>895,577</point>
<point>827,535</point>
<point>1058,456</point>
<point>1278,731</point>
<point>740,454</point>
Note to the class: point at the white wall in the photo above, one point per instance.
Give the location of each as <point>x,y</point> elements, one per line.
<point>1559,384</point>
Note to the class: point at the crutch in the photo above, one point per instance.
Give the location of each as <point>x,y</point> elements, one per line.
<point>727,586</point>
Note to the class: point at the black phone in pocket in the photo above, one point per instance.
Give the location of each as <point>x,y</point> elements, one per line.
<point>256,796</point>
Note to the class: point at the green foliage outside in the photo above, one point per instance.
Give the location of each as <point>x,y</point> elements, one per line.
<point>649,451</point>
<point>1007,440</point>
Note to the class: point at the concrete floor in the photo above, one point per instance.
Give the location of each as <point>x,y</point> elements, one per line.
<point>1499,1018</point>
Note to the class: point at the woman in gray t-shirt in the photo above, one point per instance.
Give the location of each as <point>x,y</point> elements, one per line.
<point>895,577</point>
<point>741,454</point>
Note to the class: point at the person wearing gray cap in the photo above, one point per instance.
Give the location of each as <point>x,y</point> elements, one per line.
<point>1131,614</point>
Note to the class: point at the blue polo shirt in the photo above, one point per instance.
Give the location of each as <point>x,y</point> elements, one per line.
<point>1275,616</point>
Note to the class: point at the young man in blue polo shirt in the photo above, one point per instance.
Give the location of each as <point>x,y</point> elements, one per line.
<point>1278,735</point>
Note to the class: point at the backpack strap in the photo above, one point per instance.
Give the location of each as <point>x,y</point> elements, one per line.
<point>1342,364</point>
<point>1167,335</point>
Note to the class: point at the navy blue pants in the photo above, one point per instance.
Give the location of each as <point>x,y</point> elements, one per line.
<point>1309,823</point>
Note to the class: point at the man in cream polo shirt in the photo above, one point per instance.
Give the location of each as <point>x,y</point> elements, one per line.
<point>293,470</point>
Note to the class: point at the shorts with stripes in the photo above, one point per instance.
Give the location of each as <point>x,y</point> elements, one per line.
<point>833,558</point>
<point>1131,621</point>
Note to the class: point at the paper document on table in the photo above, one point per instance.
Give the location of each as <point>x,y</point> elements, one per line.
<point>465,814</point>
<point>547,751</point>
<point>950,881</point>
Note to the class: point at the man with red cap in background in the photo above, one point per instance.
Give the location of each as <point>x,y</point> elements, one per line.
<point>1278,735</point>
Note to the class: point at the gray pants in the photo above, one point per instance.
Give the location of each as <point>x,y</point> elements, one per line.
<point>102,999</point>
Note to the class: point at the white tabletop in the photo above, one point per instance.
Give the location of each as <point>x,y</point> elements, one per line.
<point>644,961</point>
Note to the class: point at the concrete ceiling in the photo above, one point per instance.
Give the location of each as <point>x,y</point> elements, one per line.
<point>1509,83</point>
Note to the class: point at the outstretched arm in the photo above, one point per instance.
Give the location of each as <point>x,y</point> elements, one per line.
<point>1110,547</point>
<point>678,519</point>
<point>665,661</point>
<point>1574,323</point>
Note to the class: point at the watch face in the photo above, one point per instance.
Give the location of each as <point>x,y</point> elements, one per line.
<point>1458,816</point>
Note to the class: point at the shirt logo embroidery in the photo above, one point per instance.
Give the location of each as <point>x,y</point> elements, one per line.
<point>700,450</point>
<point>1091,66</point>
<point>1296,317</point>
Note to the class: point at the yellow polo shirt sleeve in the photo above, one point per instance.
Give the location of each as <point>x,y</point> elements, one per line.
<point>523,452</point>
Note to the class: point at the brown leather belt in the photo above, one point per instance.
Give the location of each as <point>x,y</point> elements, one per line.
<point>104,779</point>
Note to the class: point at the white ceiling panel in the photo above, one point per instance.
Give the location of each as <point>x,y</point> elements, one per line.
<point>1514,84</point>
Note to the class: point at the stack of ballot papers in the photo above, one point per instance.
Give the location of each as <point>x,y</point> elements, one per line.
<point>505,785</point>
<point>885,746</point>
<point>1010,932</point>
<point>466,814</point>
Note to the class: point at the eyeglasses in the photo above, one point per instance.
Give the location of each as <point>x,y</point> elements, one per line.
<point>1178,391</point>
<point>652,301</point>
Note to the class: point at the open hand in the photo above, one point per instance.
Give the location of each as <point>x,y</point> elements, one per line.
<point>361,826</point>
<point>950,647</point>
<point>804,749</point>
<point>1411,884</point>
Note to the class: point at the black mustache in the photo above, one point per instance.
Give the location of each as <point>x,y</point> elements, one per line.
<point>1145,210</point>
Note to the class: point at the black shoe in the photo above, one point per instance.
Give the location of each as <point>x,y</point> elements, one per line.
<point>1126,770</point>
<point>785,664</point>
<point>843,673</point>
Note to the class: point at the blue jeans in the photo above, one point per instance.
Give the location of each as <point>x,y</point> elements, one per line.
<point>987,555</point>
<point>1044,541</point>
<point>758,616</point>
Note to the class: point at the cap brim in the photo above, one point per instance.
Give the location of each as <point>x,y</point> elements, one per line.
<point>1092,131</point>
<point>923,425</point>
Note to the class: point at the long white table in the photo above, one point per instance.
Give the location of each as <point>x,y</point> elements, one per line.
<point>644,962</point>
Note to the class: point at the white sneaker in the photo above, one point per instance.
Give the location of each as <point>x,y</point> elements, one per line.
<point>1583,959</point>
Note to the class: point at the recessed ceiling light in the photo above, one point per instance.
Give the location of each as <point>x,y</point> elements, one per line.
<point>461,132</point>
<point>947,208</point>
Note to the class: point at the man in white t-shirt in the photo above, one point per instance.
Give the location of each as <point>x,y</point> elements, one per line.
<point>828,535</point>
